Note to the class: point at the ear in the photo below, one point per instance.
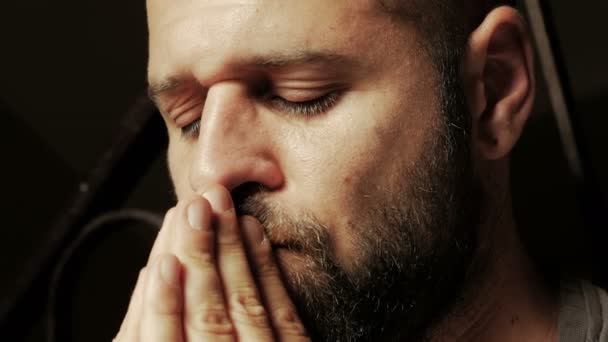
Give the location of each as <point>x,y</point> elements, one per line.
<point>499,81</point>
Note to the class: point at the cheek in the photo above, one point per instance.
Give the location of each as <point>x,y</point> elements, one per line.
<point>178,164</point>
<point>358,153</point>
<point>329,171</point>
<point>356,160</point>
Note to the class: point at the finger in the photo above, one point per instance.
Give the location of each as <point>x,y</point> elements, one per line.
<point>205,314</point>
<point>162,244</point>
<point>244,302</point>
<point>283,314</point>
<point>162,302</point>
<point>129,327</point>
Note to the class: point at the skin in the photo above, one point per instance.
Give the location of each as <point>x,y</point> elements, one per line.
<point>208,58</point>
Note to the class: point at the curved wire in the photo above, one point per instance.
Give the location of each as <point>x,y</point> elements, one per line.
<point>101,223</point>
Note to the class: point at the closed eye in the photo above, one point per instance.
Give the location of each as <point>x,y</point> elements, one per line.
<point>191,129</point>
<point>304,108</point>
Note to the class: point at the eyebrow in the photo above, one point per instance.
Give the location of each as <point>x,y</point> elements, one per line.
<point>271,61</point>
<point>155,90</point>
<point>297,58</point>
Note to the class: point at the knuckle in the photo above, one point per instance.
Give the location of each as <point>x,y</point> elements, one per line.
<point>230,239</point>
<point>233,252</point>
<point>232,242</point>
<point>168,215</point>
<point>287,322</point>
<point>141,278</point>
<point>165,304</point>
<point>211,320</point>
<point>228,231</point>
<point>246,307</point>
<point>264,262</point>
<point>202,259</point>
<point>142,273</point>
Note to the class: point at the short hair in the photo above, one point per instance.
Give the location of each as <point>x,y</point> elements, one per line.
<point>459,18</point>
<point>445,24</point>
<point>444,27</point>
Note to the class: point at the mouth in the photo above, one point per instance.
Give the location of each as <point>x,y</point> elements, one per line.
<point>286,246</point>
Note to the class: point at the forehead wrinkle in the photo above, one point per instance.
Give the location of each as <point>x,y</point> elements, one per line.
<point>182,42</point>
<point>296,57</point>
<point>202,66</point>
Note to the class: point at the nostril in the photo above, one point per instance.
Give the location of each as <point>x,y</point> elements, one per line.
<point>243,195</point>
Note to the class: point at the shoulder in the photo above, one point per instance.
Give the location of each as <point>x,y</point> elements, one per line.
<point>583,312</point>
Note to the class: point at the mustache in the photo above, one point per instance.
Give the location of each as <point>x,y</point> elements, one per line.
<point>301,233</point>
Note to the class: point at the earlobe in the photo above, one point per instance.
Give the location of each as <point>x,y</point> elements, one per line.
<point>499,74</point>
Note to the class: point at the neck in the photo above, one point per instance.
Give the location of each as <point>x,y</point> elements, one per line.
<point>506,299</point>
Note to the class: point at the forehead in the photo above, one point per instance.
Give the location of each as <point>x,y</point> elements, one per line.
<point>199,36</point>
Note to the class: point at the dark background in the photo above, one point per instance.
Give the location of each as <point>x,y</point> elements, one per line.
<point>71,70</point>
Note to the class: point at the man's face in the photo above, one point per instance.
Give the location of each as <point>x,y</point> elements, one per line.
<point>325,119</point>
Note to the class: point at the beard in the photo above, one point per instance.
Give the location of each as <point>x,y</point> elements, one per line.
<point>414,246</point>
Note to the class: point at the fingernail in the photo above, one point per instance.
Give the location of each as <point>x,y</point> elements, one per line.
<point>196,214</point>
<point>169,271</point>
<point>219,199</point>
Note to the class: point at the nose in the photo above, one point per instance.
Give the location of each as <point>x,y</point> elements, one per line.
<point>234,145</point>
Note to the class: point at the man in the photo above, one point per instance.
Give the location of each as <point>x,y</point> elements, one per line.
<point>342,171</point>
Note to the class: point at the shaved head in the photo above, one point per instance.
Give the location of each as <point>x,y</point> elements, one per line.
<point>446,24</point>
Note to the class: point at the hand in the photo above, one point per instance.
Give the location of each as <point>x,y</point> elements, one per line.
<point>198,284</point>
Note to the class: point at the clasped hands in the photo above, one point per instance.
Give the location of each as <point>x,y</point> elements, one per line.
<point>211,276</point>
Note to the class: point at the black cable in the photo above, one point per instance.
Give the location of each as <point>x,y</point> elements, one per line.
<point>103,223</point>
